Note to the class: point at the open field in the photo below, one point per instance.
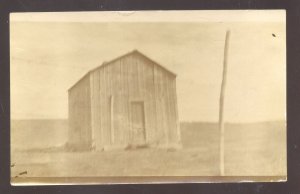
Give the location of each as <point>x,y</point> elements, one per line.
<point>257,149</point>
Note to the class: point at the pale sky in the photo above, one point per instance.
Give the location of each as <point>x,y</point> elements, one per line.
<point>49,57</point>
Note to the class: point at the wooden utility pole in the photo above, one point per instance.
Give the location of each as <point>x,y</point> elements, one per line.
<point>221,108</point>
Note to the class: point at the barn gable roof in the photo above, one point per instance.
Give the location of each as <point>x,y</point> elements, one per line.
<point>122,56</point>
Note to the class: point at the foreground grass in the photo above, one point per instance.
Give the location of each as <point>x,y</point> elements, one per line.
<point>250,150</point>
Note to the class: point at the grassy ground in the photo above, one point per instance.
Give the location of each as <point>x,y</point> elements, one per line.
<point>257,149</point>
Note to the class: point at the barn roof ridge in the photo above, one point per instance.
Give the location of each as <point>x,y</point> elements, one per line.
<point>168,70</point>
<point>129,53</point>
<point>104,63</point>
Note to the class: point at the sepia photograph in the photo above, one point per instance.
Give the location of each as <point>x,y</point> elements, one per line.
<point>148,97</point>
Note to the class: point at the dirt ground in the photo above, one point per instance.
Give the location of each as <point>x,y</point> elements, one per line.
<point>257,149</point>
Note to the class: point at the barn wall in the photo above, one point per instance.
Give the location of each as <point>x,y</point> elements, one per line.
<point>80,113</point>
<point>133,78</point>
<point>166,106</point>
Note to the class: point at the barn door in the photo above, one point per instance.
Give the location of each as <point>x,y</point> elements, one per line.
<point>138,122</point>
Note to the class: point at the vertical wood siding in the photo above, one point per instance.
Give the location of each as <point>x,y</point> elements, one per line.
<point>128,79</point>
<point>80,113</point>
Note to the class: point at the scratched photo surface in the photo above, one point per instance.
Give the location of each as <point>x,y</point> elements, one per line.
<point>148,96</point>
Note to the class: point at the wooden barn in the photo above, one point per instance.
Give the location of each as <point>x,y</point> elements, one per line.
<point>129,101</point>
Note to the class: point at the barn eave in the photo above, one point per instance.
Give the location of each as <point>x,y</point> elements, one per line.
<point>122,56</point>
<point>85,75</point>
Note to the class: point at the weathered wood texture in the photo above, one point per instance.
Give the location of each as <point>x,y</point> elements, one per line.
<point>80,113</point>
<point>114,87</point>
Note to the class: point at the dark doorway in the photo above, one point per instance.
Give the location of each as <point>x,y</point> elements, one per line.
<point>138,122</point>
